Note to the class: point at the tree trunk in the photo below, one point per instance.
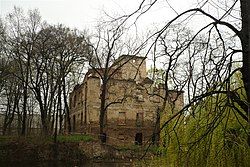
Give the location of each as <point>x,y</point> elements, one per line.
<point>58,110</point>
<point>245,42</point>
<point>66,106</point>
<point>43,116</point>
<point>6,116</point>
<point>59,107</point>
<point>102,108</point>
<point>25,96</point>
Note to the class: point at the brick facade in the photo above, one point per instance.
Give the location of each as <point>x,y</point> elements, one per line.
<point>130,121</point>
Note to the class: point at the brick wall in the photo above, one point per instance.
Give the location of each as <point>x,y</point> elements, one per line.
<point>132,118</point>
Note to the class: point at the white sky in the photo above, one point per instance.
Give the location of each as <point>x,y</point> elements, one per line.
<point>83,14</point>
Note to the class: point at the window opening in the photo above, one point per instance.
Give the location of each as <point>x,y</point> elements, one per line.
<point>139,119</point>
<point>122,118</point>
<point>103,137</point>
<point>138,139</point>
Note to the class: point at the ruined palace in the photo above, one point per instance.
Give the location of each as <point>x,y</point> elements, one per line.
<point>132,100</point>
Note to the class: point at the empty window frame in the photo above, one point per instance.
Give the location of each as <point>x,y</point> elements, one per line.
<point>139,119</point>
<point>138,139</point>
<point>122,118</point>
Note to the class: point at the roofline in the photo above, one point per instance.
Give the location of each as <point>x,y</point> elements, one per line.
<point>133,56</point>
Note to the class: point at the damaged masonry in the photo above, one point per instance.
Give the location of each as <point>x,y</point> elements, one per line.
<point>133,116</point>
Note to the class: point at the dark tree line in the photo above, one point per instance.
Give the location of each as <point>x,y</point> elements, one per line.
<point>37,62</point>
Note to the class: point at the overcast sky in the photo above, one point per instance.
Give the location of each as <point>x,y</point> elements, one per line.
<point>83,14</point>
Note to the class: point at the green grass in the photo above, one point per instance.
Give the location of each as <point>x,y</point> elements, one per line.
<point>74,138</point>
<point>37,140</point>
<point>157,161</point>
<point>152,149</point>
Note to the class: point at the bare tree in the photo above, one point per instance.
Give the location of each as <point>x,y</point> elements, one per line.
<point>45,56</point>
<point>10,96</point>
<point>22,35</point>
<point>58,50</point>
<point>106,61</point>
<point>220,56</point>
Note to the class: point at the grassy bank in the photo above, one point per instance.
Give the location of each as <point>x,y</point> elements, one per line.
<point>67,147</point>
<point>32,148</point>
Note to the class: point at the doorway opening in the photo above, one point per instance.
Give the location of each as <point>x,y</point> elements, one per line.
<point>138,139</point>
<point>103,137</point>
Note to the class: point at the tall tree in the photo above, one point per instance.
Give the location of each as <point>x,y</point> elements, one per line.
<point>58,51</point>
<point>46,57</point>
<point>217,62</point>
<point>22,36</point>
<point>107,46</point>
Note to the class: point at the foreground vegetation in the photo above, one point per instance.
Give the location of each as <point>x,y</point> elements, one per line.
<point>39,139</point>
<point>39,63</point>
<point>32,149</point>
<point>68,147</point>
